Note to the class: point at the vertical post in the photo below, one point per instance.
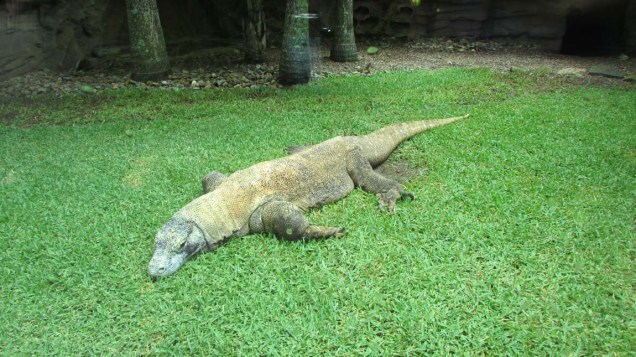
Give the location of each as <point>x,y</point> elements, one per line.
<point>147,45</point>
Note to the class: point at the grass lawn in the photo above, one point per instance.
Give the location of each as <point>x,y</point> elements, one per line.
<point>521,241</point>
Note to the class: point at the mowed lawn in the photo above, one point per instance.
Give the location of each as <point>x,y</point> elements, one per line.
<point>521,240</point>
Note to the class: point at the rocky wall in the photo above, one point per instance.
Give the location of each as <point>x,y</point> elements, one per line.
<point>545,21</point>
<point>46,34</point>
<point>541,19</point>
<point>63,34</point>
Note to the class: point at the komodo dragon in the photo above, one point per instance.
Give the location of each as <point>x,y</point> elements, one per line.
<point>271,196</point>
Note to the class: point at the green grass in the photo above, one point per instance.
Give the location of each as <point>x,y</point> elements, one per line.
<point>521,240</point>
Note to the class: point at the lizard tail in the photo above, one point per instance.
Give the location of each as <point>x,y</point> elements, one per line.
<point>377,146</point>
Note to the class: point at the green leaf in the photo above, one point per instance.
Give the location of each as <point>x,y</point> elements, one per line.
<point>88,89</point>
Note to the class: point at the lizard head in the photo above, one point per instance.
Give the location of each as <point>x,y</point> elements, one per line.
<point>177,241</point>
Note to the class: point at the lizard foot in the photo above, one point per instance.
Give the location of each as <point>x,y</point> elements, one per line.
<point>387,200</point>
<point>339,232</point>
<point>314,232</point>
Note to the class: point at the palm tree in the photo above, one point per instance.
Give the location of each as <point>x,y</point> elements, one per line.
<point>147,46</point>
<point>294,64</point>
<point>255,32</point>
<point>343,45</point>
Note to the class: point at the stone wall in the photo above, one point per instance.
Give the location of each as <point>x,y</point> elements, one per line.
<point>62,34</point>
<point>46,34</point>
<point>540,19</point>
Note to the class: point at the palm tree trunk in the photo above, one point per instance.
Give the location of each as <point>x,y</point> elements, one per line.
<point>255,32</point>
<point>343,45</point>
<point>147,46</point>
<point>294,65</point>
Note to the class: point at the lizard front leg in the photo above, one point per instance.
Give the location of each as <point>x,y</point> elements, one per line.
<point>211,181</point>
<point>387,190</point>
<point>285,220</point>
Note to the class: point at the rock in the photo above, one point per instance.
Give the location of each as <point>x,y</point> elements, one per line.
<point>572,71</point>
<point>541,70</point>
<point>516,69</point>
<point>605,71</point>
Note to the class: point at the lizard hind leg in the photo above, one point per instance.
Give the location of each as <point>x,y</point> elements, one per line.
<point>387,190</point>
<point>286,221</point>
<point>211,181</point>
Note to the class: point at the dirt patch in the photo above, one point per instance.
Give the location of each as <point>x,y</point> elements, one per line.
<point>196,71</point>
<point>8,178</point>
<point>400,170</point>
<point>138,173</point>
<point>41,106</point>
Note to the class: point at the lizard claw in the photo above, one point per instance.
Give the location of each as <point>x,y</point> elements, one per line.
<point>339,232</point>
<point>410,195</point>
<point>388,207</point>
<point>386,200</point>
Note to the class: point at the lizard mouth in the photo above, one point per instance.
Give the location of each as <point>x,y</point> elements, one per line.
<point>197,251</point>
<point>165,262</point>
<point>161,266</point>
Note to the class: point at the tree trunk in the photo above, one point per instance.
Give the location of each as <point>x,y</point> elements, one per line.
<point>629,29</point>
<point>294,65</point>
<point>343,45</point>
<point>255,32</point>
<point>147,46</point>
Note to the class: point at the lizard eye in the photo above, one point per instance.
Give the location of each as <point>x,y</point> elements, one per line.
<point>182,245</point>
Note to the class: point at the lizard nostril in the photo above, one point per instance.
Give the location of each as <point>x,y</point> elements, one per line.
<point>156,270</point>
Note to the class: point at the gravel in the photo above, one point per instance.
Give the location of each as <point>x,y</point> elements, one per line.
<point>108,73</point>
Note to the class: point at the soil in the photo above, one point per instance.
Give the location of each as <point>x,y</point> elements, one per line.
<point>222,67</point>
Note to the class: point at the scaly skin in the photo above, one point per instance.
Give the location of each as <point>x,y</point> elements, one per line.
<point>271,196</point>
